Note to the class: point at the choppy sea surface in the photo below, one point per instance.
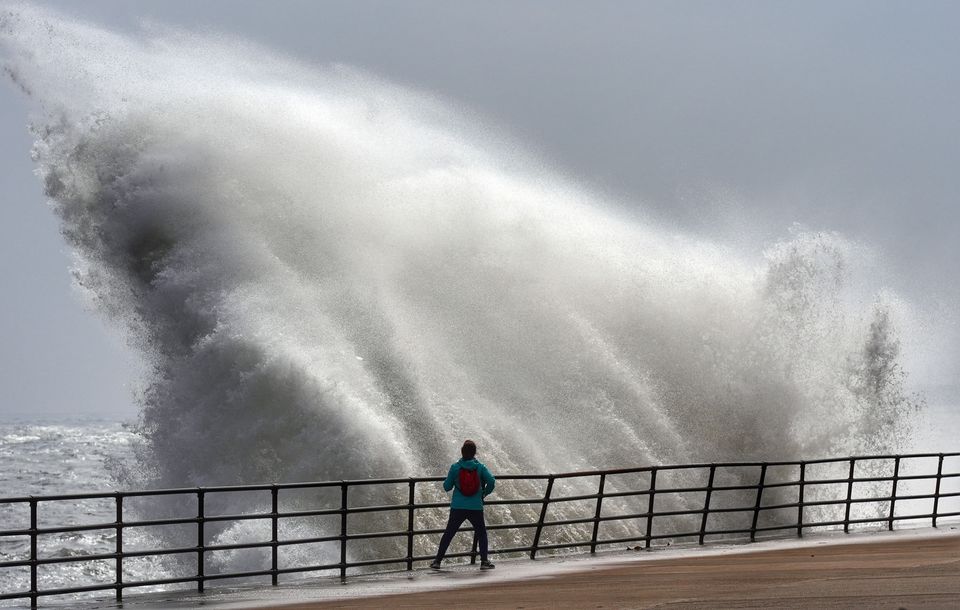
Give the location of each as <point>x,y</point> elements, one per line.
<point>45,458</point>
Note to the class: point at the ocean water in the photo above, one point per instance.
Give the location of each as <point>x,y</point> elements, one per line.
<point>47,457</point>
<point>330,276</point>
<point>53,458</point>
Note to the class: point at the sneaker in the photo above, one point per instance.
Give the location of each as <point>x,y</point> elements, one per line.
<point>487,565</point>
<point>435,565</point>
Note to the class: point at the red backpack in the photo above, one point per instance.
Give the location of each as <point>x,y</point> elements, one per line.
<point>469,481</point>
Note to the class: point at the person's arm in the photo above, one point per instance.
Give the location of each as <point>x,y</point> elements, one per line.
<point>451,475</point>
<point>488,481</point>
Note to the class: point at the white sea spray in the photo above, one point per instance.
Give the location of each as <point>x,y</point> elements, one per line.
<point>331,277</point>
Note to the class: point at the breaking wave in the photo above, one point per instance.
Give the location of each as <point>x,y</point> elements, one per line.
<point>331,276</point>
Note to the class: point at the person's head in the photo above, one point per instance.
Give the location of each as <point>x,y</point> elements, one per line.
<point>469,449</point>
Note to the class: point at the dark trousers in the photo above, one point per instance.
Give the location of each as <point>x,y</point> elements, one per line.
<point>457,517</point>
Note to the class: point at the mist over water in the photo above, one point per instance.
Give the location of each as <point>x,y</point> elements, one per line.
<point>331,276</point>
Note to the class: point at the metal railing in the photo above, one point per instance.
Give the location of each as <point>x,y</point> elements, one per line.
<point>650,495</point>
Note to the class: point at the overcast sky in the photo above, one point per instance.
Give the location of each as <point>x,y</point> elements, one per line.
<point>729,119</point>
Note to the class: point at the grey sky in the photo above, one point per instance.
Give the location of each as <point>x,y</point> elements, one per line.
<point>729,119</point>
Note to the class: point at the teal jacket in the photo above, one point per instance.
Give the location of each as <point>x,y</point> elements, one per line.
<point>474,502</point>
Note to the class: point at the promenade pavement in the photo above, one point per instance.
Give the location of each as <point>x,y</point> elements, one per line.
<point>912,569</point>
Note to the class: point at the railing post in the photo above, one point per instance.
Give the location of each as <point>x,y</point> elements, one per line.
<point>846,513</point>
<point>543,515</point>
<point>596,516</point>
<point>893,494</point>
<point>119,547</point>
<point>200,540</point>
<point>936,491</point>
<point>803,473</point>
<point>275,531</point>
<point>33,552</point>
<point>650,496</point>
<point>706,503</point>
<point>343,530</point>
<point>411,499</point>
<point>756,506</point>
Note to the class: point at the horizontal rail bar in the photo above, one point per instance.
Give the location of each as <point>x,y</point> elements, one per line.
<point>366,482</point>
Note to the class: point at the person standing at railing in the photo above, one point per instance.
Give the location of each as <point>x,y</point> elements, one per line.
<point>471,482</point>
